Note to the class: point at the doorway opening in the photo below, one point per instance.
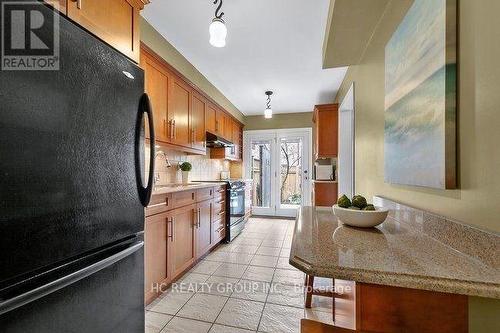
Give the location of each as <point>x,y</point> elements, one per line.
<point>278,162</point>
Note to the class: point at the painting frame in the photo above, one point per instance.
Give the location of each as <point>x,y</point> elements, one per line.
<point>421,91</point>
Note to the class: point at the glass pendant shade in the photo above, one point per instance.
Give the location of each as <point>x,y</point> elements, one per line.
<point>268,113</point>
<point>218,33</point>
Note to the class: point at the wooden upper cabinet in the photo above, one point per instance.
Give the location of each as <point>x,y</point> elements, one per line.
<point>236,133</point>
<point>157,85</point>
<point>114,21</point>
<point>211,118</point>
<point>220,122</point>
<point>180,105</point>
<point>197,123</point>
<point>228,128</point>
<point>325,122</point>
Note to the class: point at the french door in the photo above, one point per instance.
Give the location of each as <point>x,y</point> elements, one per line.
<point>278,162</point>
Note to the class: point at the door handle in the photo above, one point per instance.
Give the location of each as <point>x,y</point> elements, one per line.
<point>174,129</point>
<point>145,192</point>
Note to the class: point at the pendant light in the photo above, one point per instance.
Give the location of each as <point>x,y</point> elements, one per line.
<point>268,112</point>
<point>218,30</point>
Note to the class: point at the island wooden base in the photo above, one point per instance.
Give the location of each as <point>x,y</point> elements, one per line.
<point>384,309</point>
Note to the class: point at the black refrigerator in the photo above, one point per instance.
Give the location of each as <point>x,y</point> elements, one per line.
<point>73,190</point>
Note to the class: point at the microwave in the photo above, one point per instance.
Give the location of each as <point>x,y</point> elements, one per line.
<point>324,172</point>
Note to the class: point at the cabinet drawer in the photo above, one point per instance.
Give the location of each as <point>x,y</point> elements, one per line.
<point>220,192</point>
<point>205,194</point>
<point>219,232</point>
<point>159,203</point>
<point>181,199</point>
<point>219,209</point>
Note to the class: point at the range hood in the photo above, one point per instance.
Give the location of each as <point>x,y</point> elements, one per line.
<point>215,141</point>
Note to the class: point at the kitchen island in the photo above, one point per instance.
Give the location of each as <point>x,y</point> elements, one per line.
<point>408,274</point>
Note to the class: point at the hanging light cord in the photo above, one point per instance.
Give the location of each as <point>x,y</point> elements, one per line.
<point>218,14</point>
<point>268,102</point>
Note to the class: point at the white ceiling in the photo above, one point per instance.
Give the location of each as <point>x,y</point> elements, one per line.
<point>271,45</point>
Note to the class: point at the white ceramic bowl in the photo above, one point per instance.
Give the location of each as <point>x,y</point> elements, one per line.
<point>361,218</point>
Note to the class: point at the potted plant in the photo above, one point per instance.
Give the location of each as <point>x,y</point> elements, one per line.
<point>185,168</point>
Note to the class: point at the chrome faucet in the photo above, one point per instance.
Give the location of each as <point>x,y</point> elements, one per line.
<point>156,179</point>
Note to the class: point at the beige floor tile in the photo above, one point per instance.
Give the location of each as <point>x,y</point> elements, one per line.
<point>286,295</point>
<point>269,251</point>
<point>227,329</point>
<point>265,261</point>
<point>206,267</point>
<point>272,243</point>
<point>203,307</point>
<point>280,319</point>
<point>217,256</point>
<point>190,282</point>
<point>283,263</point>
<point>156,321</point>
<point>290,277</point>
<point>183,325</point>
<point>323,317</point>
<point>322,304</point>
<point>249,241</point>
<point>231,270</point>
<point>246,249</point>
<point>258,273</point>
<point>241,313</point>
<point>285,252</point>
<point>239,258</point>
<point>171,302</point>
<point>218,285</point>
<point>251,290</point>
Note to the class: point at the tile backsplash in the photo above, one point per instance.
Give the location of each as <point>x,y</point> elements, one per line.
<point>204,168</point>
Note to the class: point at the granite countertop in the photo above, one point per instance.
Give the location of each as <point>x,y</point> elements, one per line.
<point>172,188</point>
<point>393,254</point>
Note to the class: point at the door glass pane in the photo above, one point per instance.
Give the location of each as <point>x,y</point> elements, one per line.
<point>291,169</point>
<point>261,173</point>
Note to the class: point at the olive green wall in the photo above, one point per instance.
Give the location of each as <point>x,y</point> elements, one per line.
<point>154,40</point>
<point>279,121</point>
<point>477,202</point>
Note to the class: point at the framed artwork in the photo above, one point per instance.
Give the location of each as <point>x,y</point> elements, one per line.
<point>420,97</point>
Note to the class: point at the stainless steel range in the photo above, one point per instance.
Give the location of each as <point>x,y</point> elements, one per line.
<point>239,193</point>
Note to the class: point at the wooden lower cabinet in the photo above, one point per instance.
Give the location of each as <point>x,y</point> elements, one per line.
<point>179,230</point>
<point>157,268</point>
<point>182,243</point>
<point>203,228</point>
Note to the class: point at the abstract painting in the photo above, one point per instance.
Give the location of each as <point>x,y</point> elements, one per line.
<point>420,97</point>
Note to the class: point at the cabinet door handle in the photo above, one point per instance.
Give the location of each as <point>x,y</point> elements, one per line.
<point>199,217</point>
<point>171,236</point>
<point>216,126</point>
<point>195,219</point>
<point>78,3</point>
<point>173,229</point>
<point>221,202</point>
<point>174,128</point>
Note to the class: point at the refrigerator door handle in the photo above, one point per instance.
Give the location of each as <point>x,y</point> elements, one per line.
<point>53,286</point>
<point>145,192</point>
